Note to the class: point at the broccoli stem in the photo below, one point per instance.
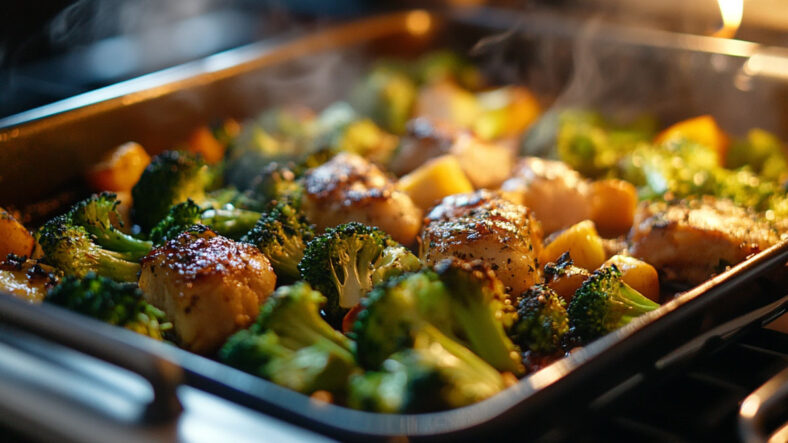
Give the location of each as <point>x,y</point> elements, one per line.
<point>487,337</point>
<point>115,266</point>
<point>473,364</point>
<point>232,223</point>
<point>115,240</point>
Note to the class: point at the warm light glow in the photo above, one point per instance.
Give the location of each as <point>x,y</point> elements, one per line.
<point>750,406</point>
<point>731,11</point>
<point>418,22</point>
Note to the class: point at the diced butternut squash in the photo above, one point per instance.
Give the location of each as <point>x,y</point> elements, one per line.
<point>638,274</point>
<point>14,238</point>
<point>505,112</point>
<point>568,281</point>
<point>703,130</point>
<point>583,243</point>
<point>120,169</point>
<point>613,204</point>
<point>435,179</point>
<point>203,142</point>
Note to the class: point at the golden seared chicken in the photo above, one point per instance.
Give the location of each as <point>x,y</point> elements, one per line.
<point>482,225</point>
<point>485,164</point>
<point>26,279</point>
<point>209,286</point>
<point>349,188</point>
<point>558,195</point>
<point>691,240</point>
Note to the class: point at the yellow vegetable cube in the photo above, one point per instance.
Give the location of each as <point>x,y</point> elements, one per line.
<point>613,204</point>
<point>638,274</point>
<point>435,179</point>
<point>14,238</point>
<point>703,130</point>
<point>583,244</point>
<point>120,169</point>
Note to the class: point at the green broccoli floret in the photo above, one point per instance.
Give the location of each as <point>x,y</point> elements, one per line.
<point>460,302</point>
<point>95,215</point>
<point>282,234</point>
<point>482,312</point>
<point>593,146</point>
<point>229,222</point>
<point>119,304</point>
<point>84,240</point>
<point>290,344</point>
<point>763,152</point>
<point>279,135</point>
<point>170,178</point>
<point>541,322</point>
<point>278,183</point>
<point>346,261</point>
<point>387,96</point>
<point>605,303</point>
<point>437,373</point>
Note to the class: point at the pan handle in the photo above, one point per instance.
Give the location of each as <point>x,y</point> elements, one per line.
<point>763,415</point>
<point>108,343</point>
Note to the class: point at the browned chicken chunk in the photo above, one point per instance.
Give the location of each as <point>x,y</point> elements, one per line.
<point>482,225</point>
<point>556,193</point>
<point>349,188</point>
<point>26,279</point>
<point>209,286</point>
<point>689,241</point>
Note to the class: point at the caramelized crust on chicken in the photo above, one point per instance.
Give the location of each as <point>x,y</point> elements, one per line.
<point>349,188</point>
<point>209,286</point>
<point>691,240</point>
<point>424,139</point>
<point>558,195</point>
<point>26,279</point>
<point>484,226</point>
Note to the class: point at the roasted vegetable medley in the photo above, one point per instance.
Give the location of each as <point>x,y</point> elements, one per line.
<point>397,252</point>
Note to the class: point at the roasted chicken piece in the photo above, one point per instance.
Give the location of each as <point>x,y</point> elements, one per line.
<point>26,279</point>
<point>486,164</point>
<point>349,188</point>
<point>209,286</point>
<point>482,225</point>
<point>690,240</point>
<point>557,194</point>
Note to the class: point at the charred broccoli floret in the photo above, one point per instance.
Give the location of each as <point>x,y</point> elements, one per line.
<point>282,234</point>
<point>170,178</point>
<point>437,373</point>
<point>541,322</point>
<point>761,151</point>
<point>605,303</point>
<point>119,304</point>
<point>346,261</point>
<point>229,222</point>
<point>84,240</point>
<point>291,345</point>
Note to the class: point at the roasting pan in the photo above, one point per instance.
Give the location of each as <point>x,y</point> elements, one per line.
<point>619,70</point>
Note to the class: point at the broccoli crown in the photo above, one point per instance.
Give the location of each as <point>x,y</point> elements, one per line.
<point>282,234</point>
<point>605,303</point>
<point>346,261</point>
<point>387,96</point>
<point>592,146</point>
<point>278,183</point>
<point>394,311</point>
<point>95,215</point>
<point>119,304</point>
<point>179,218</point>
<point>291,345</point>
<point>542,321</point>
<point>482,311</point>
<point>72,249</point>
<point>170,178</point>
<point>436,373</point>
